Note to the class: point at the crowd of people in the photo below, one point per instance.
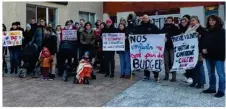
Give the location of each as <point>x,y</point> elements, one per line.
<point>211,47</point>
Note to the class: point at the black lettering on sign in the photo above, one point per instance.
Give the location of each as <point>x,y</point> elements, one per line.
<point>138,38</point>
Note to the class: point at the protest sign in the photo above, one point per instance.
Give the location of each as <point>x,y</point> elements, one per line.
<point>70,35</point>
<point>186,52</point>
<point>113,41</point>
<point>146,51</point>
<point>12,38</point>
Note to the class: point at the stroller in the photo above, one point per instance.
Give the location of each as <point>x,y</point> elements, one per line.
<point>84,71</point>
<point>68,71</point>
<point>28,54</point>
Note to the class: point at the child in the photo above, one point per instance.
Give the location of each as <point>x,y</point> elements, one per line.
<point>46,61</point>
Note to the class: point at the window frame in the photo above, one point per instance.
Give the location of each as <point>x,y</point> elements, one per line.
<point>89,14</point>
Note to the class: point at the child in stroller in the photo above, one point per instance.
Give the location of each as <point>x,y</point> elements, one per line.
<point>84,70</point>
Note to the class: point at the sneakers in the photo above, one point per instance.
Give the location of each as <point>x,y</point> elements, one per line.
<point>219,94</point>
<point>189,80</point>
<point>199,86</point>
<point>106,75</point>
<point>192,85</point>
<point>127,77</point>
<point>209,91</point>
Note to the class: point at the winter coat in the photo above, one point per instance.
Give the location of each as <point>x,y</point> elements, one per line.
<point>170,30</point>
<point>183,29</point>
<point>214,42</point>
<point>50,42</point>
<point>34,28</point>
<point>87,38</point>
<point>64,44</point>
<point>27,37</point>
<point>147,28</point>
<point>38,36</point>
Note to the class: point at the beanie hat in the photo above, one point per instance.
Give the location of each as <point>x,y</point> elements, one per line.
<point>109,21</point>
<point>28,26</point>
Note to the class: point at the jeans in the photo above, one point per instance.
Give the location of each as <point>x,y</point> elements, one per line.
<point>14,58</point>
<point>125,62</point>
<point>219,65</point>
<point>168,60</point>
<point>198,73</point>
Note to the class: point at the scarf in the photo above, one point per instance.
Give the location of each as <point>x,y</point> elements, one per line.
<point>192,29</point>
<point>88,31</point>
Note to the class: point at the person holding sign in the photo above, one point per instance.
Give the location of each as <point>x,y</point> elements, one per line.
<point>14,52</point>
<point>109,56</point>
<point>214,52</point>
<point>146,27</point>
<point>124,55</point>
<point>197,74</point>
<point>170,30</point>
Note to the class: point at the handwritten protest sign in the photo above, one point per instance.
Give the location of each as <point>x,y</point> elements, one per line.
<point>146,51</point>
<point>113,41</point>
<point>70,35</point>
<point>185,51</point>
<point>12,38</point>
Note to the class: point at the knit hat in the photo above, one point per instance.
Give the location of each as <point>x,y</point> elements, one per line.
<point>28,26</point>
<point>109,21</point>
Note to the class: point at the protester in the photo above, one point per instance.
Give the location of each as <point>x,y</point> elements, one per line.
<point>124,56</point>
<point>123,21</point>
<point>37,40</point>
<point>27,35</point>
<point>214,52</point>
<point>187,17</point>
<point>19,27</point>
<point>109,56</point>
<point>66,50</point>
<point>80,30</point>
<point>170,30</point>
<point>50,42</point>
<point>197,74</point>
<point>87,40</point>
<point>58,32</point>
<point>4,51</point>
<point>34,26</point>
<point>183,26</point>
<point>14,53</point>
<point>98,22</point>
<point>146,27</point>
<point>76,27</point>
<point>53,30</point>
<point>98,44</point>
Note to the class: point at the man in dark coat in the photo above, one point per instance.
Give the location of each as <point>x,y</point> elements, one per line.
<point>109,56</point>
<point>170,30</point>
<point>146,27</point>
<point>34,26</point>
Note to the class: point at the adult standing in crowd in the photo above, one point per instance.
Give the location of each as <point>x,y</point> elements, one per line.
<point>87,40</point>
<point>27,35</point>
<point>58,33</point>
<point>197,74</point>
<point>34,26</point>
<point>123,21</point>
<point>99,42</point>
<point>183,26</point>
<point>80,30</point>
<point>109,56</point>
<point>50,42</point>
<point>4,51</point>
<point>66,50</point>
<point>146,27</point>
<point>124,56</point>
<point>37,40</point>
<point>14,53</point>
<point>214,52</point>
<point>170,30</point>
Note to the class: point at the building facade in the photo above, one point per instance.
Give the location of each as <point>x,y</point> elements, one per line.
<point>56,13</point>
<point>158,11</point>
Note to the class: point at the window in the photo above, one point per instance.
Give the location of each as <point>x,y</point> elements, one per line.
<point>88,17</point>
<point>39,12</point>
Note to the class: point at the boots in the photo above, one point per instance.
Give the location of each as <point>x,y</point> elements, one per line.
<point>173,77</point>
<point>12,70</point>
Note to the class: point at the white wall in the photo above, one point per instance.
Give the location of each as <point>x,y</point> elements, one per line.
<point>105,17</point>
<point>197,11</point>
<point>122,14</point>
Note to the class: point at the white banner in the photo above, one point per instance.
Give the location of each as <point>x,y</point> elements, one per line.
<point>146,51</point>
<point>12,38</point>
<point>70,35</point>
<point>113,41</point>
<point>186,52</point>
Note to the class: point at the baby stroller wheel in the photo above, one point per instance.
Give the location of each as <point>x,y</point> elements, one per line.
<point>86,80</point>
<point>22,74</point>
<point>65,76</point>
<point>75,80</point>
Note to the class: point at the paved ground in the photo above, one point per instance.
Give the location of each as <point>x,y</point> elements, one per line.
<point>165,94</point>
<point>28,92</point>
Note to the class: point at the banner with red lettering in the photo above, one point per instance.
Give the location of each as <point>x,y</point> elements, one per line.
<point>113,41</point>
<point>12,38</point>
<point>146,51</point>
<point>186,52</point>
